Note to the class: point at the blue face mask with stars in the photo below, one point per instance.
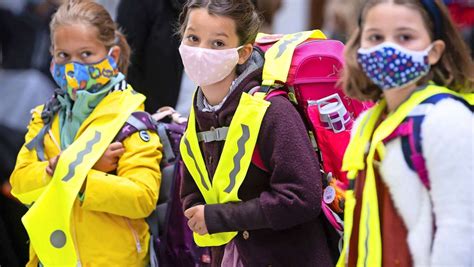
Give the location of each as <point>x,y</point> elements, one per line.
<point>391,66</point>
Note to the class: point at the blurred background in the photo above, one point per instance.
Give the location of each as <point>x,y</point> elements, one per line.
<point>155,70</point>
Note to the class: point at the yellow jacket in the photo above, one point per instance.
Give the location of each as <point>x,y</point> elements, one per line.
<point>108,225</point>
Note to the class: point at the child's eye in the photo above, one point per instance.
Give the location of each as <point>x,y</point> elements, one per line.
<point>404,38</point>
<point>86,54</point>
<point>192,38</point>
<point>375,38</point>
<point>218,44</point>
<point>61,55</point>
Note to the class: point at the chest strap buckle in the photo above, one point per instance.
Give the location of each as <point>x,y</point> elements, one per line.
<point>213,135</point>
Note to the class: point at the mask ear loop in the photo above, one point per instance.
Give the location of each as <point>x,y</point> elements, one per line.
<point>237,49</point>
<point>428,49</point>
<point>116,42</point>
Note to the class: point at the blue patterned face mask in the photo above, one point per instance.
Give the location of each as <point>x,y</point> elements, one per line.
<point>389,65</point>
<point>75,76</point>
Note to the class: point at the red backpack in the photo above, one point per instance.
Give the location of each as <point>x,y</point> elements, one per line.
<point>307,67</point>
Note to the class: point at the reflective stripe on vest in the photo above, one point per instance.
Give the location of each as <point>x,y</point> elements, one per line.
<point>278,57</point>
<point>48,220</point>
<point>234,160</point>
<point>369,136</point>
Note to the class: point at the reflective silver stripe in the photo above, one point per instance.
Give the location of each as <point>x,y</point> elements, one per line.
<point>136,123</point>
<point>238,157</point>
<point>81,155</point>
<point>190,152</point>
<point>218,134</point>
<point>284,45</point>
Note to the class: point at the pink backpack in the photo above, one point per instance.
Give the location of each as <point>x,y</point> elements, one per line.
<point>308,66</point>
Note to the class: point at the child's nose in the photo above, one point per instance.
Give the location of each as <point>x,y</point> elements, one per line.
<point>76,59</point>
<point>203,45</point>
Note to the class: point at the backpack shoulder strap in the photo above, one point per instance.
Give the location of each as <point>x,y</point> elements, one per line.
<point>411,137</point>
<point>256,157</point>
<point>138,121</point>
<point>143,121</point>
<point>50,109</point>
<point>168,154</point>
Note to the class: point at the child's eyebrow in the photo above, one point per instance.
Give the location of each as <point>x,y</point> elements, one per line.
<point>404,29</point>
<point>85,48</point>
<point>222,34</point>
<point>59,49</point>
<point>372,29</point>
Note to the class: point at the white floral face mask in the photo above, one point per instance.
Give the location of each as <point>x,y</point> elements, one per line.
<point>208,66</point>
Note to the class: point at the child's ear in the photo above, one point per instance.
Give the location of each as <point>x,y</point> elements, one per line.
<point>244,53</point>
<point>115,52</point>
<point>436,52</point>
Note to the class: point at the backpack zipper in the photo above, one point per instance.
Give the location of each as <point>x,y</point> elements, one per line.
<point>313,80</point>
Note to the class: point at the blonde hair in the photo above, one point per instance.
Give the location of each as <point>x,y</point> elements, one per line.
<point>454,69</point>
<point>93,14</point>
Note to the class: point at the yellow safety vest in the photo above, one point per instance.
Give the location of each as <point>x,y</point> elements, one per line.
<point>48,220</point>
<point>355,159</point>
<point>234,160</point>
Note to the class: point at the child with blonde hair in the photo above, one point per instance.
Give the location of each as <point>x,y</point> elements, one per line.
<point>89,196</point>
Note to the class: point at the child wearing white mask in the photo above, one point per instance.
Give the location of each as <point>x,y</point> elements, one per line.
<point>249,216</point>
<point>410,158</point>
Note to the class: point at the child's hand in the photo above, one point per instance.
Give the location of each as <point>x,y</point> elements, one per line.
<point>197,222</point>
<point>109,160</point>
<point>52,165</point>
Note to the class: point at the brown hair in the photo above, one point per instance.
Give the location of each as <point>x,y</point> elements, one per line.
<point>242,12</point>
<point>93,14</point>
<point>454,69</point>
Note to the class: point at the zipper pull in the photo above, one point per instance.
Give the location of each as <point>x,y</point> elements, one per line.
<point>139,246</point>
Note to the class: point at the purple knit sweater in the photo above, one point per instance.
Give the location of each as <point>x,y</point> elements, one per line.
<point>278,220</point>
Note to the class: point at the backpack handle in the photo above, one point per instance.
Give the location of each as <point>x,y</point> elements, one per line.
<point>167,111</point>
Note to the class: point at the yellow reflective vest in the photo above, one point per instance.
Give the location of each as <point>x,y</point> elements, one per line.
<point>234,161</point>
<point>370,136</point>
<point>107,228</point>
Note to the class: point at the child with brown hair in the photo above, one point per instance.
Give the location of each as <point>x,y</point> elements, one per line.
<point>250,217</point>
<point>410,157</point>
<point>89,197</point>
